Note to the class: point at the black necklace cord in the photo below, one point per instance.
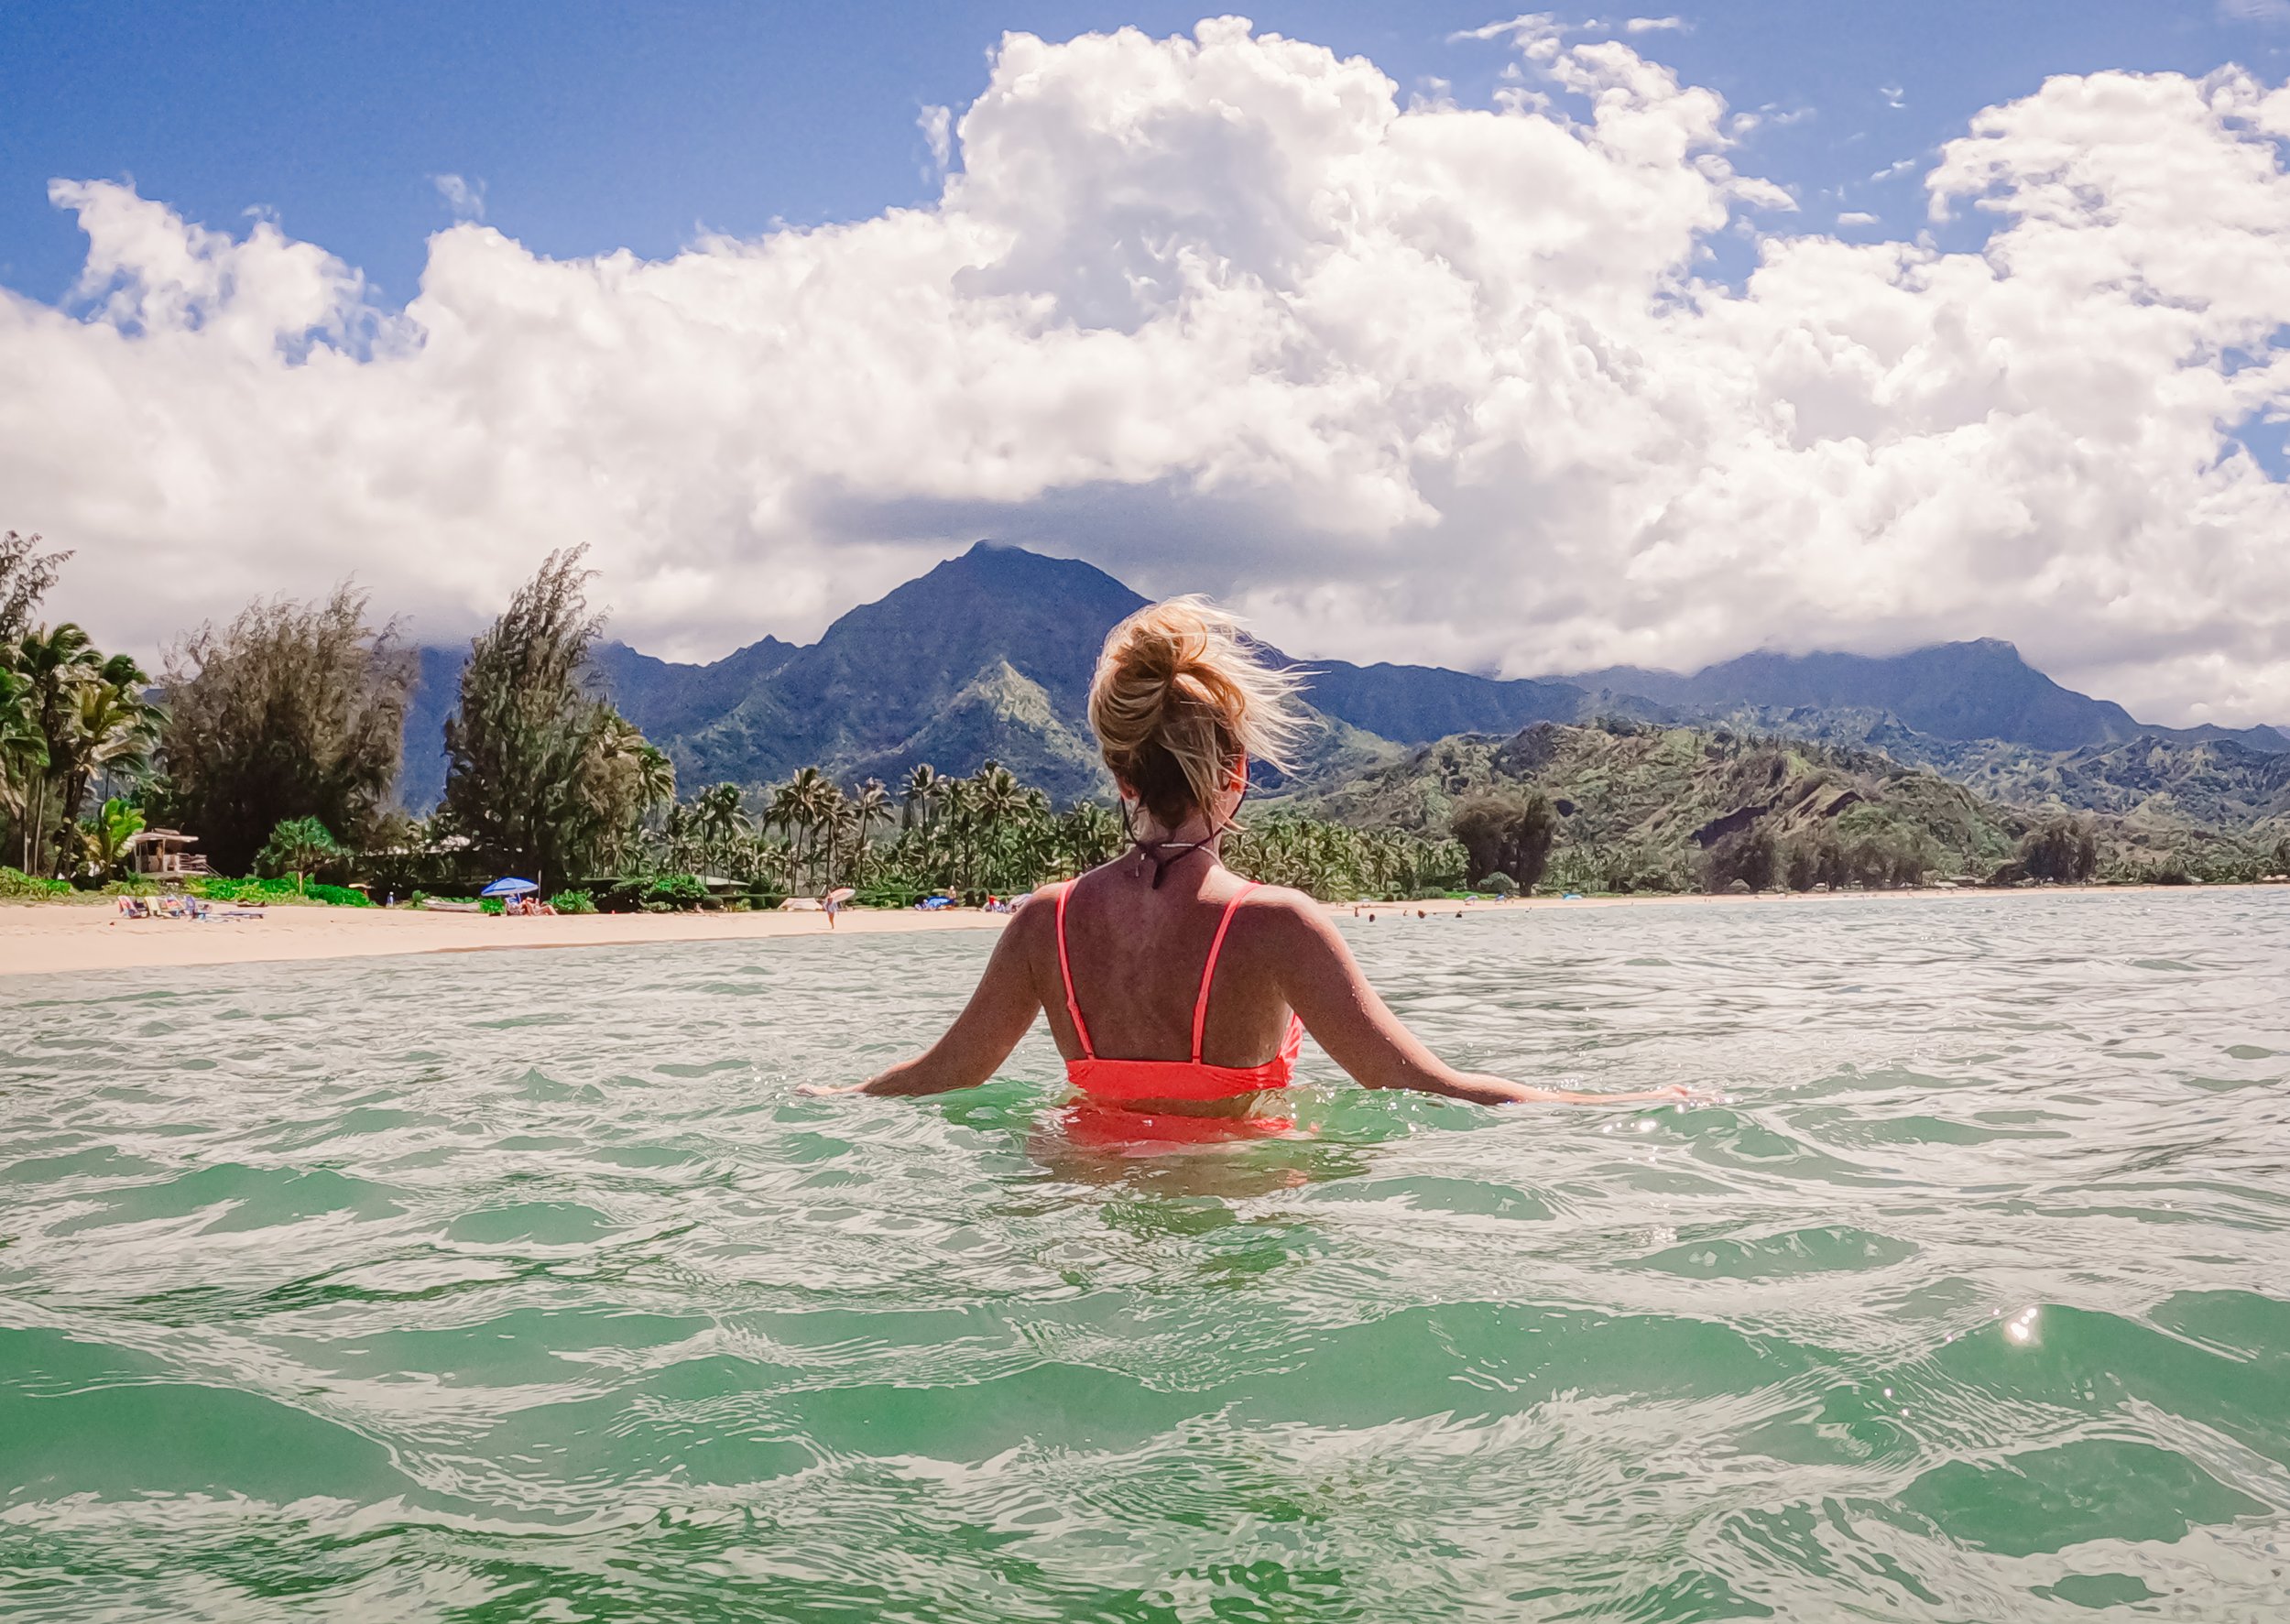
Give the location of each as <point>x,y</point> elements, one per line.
<point>1160,854</point>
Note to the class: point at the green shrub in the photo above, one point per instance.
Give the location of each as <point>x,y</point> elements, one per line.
<point>14,884</point>
<point>338,896</point>
<point>887,895</point>
<point>220,888</point>
<point>574,902</point>
<point>676,890</point>
<point>493,905</point>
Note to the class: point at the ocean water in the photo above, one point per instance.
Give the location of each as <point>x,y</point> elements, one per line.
<point>519,1286</point>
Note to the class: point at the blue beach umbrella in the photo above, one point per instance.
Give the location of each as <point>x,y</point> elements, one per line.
<point>508,887</point>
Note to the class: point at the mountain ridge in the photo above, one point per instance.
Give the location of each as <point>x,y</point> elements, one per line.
<point>990,653</point>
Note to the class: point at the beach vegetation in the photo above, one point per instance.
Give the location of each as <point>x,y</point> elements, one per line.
<point>15,886</point>
<point>74,722</point>
<point>1505,831</point>
<point>1746,857</point>
<point>109,835</point>
<point>573,901</point>
<point>298,846</point>
<point>2061,849</point>
<point>675,891</point>
<point>25,574</point>
<point>294,710</point>
<point>544,777</point>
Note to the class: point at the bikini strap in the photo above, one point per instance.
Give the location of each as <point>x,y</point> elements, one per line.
<point>1066,974</point>
<point>1208,971</point>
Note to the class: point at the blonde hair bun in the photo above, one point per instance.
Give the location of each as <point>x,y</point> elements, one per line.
<point>1179,700</point>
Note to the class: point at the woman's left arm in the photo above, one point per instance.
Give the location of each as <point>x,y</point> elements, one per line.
<point>997,1015</point>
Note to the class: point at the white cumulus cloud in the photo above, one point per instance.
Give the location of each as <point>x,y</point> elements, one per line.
<point>937,125</point>
<point>465,197</point>
<point>1419,381</point>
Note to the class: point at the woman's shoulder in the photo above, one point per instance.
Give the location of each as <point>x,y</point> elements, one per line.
<point>1268,903</point>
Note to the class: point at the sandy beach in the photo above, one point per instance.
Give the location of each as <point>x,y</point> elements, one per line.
<point>44,938</point>
<point>56,937</point>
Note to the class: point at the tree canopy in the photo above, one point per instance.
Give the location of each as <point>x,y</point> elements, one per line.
<point>292,711</point>
<point>543,776</point>
<point>1506,833</point>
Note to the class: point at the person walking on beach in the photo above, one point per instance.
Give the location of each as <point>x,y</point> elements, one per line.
<point>1176,989</point>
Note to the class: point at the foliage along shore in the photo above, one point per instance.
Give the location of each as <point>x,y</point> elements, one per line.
<point>276,741</point>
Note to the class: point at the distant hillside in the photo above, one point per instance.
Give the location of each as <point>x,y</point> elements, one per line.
<point>1952,690</point>
<point>1639,804</point>
<point>887,670</point>
<point>666,699</point>
<point>989,655</point>
<point>436,690</point>
<point>1666,792</point>
<point>1413,704</point>
<point>2160,774</point>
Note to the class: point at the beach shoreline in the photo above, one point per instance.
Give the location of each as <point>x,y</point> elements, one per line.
<point>58,938</point>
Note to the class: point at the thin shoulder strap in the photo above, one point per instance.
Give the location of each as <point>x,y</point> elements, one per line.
<point>1066,974</point>
<point>1208,971</point>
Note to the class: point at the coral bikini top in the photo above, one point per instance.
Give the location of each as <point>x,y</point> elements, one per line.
<point>1117,1080</point>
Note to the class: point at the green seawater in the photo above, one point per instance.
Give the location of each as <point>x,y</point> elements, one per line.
<point>519,1286</point>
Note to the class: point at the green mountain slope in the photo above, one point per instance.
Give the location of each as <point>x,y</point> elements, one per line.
<point>2162,775</point>
<point>885,672</point>
<point>1639,804</point>
<point>989,655</point>
<point>1000,715</point>
<point>1671,789</point>
<point>1956,690</point>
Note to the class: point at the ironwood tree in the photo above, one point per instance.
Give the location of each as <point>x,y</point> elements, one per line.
<point>25,574</point>
<point>1506,834</point>
<point>294,710</point>
<point>543,776</point>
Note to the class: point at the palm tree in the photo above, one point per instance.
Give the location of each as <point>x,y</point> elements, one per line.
<point>805,806</point>
<point>826,813</point>
<point>23,747</point>
<point>868,805</point>
<point>108,833</point>
<point>920,796</point>
<point>721,823</point>
<point>995,801</point>
<point>113,729</point>
<point>53,664</point>
<point>782,811</point>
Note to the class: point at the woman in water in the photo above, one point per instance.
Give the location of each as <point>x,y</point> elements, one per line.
<point>1177,991</point>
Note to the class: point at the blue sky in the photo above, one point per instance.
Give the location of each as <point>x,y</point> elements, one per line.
<point>1637,337</point>
<point>599,127</point>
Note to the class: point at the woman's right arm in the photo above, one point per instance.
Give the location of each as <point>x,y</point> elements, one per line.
<point>1322,983</point>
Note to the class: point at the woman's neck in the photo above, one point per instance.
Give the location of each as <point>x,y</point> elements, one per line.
<point>1195,829</point>
<point>1158,847</point>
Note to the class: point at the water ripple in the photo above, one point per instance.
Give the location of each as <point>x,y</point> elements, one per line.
<point>524,1287</point>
